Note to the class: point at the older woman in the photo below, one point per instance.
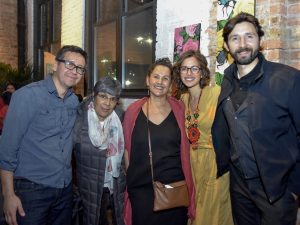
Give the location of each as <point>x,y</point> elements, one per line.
<point>170,148</point>
<point>99,147</point>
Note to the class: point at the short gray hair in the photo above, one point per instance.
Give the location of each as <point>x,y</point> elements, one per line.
<point>108,85</point>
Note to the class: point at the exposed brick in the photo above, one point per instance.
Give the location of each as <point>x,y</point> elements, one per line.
<point>293,21</point>
<point>295,55</point>
<point>295,32</point>
<point>8,32</point>
<point>273,44</point>
<point>274,54</point>
<point>294,8</point>
<point>295,44</point>
<point>295,64</point>
<point>279,9</point>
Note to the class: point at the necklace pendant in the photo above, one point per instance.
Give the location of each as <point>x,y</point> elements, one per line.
<point>193,134</point>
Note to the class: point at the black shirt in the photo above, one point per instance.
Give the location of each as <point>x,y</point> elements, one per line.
<point>165,144</point>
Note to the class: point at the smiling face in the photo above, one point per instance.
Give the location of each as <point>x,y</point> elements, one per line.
<point>65,78</point>
<point>243,44</point>
<point>159,81</point>
<point>187,76</point>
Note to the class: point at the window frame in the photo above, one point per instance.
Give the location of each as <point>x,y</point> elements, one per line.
<point>92,21</point>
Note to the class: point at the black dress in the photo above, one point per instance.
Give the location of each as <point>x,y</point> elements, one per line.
<point>165,143</point>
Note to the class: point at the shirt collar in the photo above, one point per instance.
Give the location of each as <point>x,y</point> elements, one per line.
<point>52,89</point>
<point>253,74</point>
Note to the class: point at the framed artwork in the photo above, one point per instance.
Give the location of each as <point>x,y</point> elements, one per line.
<point>186,38</point>
<point>227,9</point>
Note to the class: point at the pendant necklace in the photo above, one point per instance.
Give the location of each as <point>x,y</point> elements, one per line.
<point>192,125</point>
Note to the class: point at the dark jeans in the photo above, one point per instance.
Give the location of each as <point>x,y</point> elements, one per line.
<point>44,205</point>
<point>250,205</point>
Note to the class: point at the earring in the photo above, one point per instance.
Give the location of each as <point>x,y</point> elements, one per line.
<point>148,91</point>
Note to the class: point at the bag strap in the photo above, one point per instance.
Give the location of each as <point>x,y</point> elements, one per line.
<point>149,142</point>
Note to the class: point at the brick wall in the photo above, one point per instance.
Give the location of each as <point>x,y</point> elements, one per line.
<point>8,32</point>
<point>281,22</point>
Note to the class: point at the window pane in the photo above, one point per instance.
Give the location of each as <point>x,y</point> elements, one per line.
<point>105,50</point>
<point>108,10</point>
<point>136,3</point>
<point>137,48</point>
<point>56,20</point>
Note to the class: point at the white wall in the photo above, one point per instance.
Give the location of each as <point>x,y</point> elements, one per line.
<point>177,13</point>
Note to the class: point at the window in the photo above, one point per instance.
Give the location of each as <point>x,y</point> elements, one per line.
<point>123,42</point>
<point>106,50</point>
<point>137,48</point>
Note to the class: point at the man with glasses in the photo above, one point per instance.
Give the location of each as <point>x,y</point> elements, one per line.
<point>36,145</point>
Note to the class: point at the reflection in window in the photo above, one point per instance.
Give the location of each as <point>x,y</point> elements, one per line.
<point>132,4</point>
<point>105,43</point>
<point>137,48</point>
<point>108,10</point>
<point>123,41</point>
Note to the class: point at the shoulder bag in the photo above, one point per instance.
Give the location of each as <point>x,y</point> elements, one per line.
<point>166,196</point>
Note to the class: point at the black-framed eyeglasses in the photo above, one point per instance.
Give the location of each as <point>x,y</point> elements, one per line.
<point>70,66</point>
<point>193,69</point>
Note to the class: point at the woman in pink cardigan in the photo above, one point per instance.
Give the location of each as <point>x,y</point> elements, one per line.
<point>170,149</point>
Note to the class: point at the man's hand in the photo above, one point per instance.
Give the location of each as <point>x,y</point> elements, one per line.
<point>12,204</point>
<point>295,196</point>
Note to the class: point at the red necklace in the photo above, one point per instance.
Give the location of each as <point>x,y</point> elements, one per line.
<point>192,125</point>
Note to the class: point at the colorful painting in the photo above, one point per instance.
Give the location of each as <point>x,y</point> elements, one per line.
<point>186,38</point>
<point>227,9</point>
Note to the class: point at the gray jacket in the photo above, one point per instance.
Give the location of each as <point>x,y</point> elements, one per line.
<point>90,171</point>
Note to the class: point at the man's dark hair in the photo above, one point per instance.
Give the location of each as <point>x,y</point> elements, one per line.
<point>71,48</point>
<point>240,18</point>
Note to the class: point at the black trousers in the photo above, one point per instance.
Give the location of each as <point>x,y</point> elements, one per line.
<point>107,211</point>
<point>250,205</point>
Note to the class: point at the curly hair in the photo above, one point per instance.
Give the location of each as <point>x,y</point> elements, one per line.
<point>205,73</point>
<point>161,62</point>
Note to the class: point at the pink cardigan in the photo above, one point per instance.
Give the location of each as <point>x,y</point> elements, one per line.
<point>128,125</point>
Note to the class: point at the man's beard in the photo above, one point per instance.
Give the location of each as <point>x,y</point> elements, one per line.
<point>245,60</point>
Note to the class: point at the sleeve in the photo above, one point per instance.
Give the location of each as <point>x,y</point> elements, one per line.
<point>294,181</point>
<point>17,121</point>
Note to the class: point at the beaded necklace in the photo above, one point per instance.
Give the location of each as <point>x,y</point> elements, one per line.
<point>192,125</point>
